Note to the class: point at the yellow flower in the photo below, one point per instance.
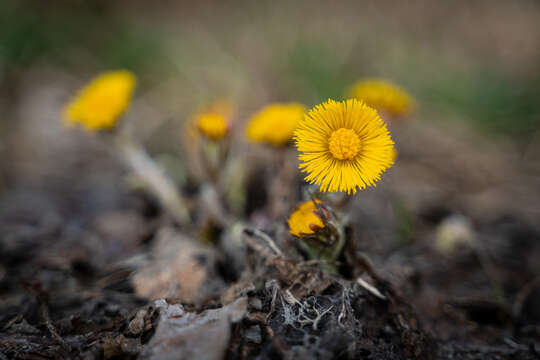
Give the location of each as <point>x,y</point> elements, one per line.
<point>213,121</point>
<point>304,220</point>
<point>212,125</point>
<point>344,146</point>
<point>275,123</point>
<point>383,96</point>
<point>99,105</point>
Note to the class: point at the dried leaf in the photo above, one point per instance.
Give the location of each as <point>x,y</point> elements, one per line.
<point>185,335</point>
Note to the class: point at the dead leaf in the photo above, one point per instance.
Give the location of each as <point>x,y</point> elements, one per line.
<point>181,269</point>
<point>186,335</point>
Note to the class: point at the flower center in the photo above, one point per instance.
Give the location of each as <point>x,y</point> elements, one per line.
<point>344,144</point>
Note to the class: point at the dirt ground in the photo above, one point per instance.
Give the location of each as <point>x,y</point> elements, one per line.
<point>446,251</point>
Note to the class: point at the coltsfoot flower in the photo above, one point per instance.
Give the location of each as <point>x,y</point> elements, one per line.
<point>212,125</point>
<point>344,146</point>
<point>212,121</point>
<point>383,96</point>
<point>99,105</point>
<point>275,123</point>
<point>305,220</point>
<point>318,231</point>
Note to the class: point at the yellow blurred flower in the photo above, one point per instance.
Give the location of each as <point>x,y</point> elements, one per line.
<point>213,126</point>
<point>304,220</point>
<point>344,146</point>
<point>213,122</point>
<point>275,123</point>
<point>383,96</point>
<point>99,105</point>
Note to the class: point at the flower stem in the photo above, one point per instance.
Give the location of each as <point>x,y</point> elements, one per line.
<point>281,185</point>
<point>136,157</point>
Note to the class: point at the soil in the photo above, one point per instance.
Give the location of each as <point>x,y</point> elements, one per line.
<point>427,273</point>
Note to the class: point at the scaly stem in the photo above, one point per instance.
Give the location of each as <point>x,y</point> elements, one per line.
<point>281,184</point>
<point>136,157</point>
<point>213,158</point>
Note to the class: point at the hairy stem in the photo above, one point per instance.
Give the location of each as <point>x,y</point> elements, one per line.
<point>158,183</point>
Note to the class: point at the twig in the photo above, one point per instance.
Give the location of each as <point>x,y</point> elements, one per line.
<point>343,312</point>
<point>269,241</point>
<point>372,289</point>
<point>320,316</point>
<point>48,323</point>
<point>275,291</point>
<point>291,299</point>
<point>42,299</point>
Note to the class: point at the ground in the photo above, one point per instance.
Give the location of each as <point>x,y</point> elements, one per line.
<point>83,262</point>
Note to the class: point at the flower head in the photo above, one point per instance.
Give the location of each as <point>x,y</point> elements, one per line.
<point>99,105</point>
<point>275,123</point>
<point>305,220</point>
<point>344,146</point>
<point>383,96</point>
<point>212,121</point>
<point>212,125</point>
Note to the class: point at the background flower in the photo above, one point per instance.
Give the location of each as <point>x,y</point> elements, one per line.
<point>383,96</point>
<point>275,123</point>
<point>213,121</point>
<point>99,105</point>
<point>212,125</point>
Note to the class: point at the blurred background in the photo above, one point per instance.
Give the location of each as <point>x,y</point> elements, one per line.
<point>471,149</point>
<point>473,66</point>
